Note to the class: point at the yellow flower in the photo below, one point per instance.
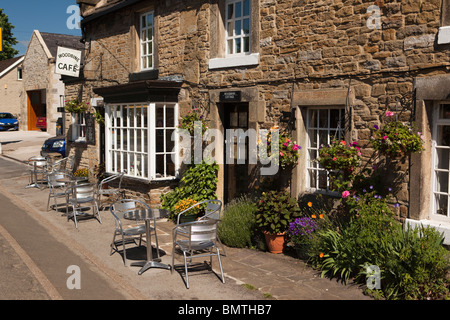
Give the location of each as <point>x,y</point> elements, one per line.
<point>313,216</point>
<point>321,255</point>
<point>321,216</point>
<point>310,204</point>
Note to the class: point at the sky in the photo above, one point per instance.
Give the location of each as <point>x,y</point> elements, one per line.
<point>44,15</point>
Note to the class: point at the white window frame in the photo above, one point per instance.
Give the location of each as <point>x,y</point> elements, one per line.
<point>311,164</point>
<point>147,43</point>
<point>438,122</point>
<point>114,154</point>
<point>79,127</point>
<point>232,22</point>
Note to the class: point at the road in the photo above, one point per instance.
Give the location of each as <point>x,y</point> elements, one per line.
<point>35,265</point>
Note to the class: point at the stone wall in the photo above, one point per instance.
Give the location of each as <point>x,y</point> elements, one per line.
<point>304,46</point>
<point>11,92</point>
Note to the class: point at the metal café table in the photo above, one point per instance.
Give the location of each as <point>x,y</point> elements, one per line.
<point>147,216</point>
<point>39,166</point>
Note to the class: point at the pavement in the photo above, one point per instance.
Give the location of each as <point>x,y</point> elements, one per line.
<point>249,274</point>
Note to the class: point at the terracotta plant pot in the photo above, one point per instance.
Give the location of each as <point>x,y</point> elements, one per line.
<point>275,242</point>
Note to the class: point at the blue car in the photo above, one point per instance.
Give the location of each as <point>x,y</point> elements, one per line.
<point>55,144</point>
<point>8,122</point>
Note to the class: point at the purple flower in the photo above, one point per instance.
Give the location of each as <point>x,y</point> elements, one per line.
<point>376,127</point>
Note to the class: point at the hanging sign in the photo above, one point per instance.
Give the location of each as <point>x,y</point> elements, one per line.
<point>228,96</point>
<point>68,62</point>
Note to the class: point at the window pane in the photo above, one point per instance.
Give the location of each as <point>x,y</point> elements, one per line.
<point>237,27</point>
<point>442,181</point>
<point>170,117</point>
<point>246,26</point>
<point>230,46</point>
<point>159,140</point>
<point>230,11</point>
<point>444,112</point>
<point>160,164</point>
<point>313,138</point>
<point>246,7</point>
<point>323,118</point>
<point>169,143</point>
<point>230,29</point>
<point>246,44</point>
<point>150,20</point>
<point>170,170</point>
<point>443,136</point>
<point>441,204</point>
<point>312,179</point>
<point>238,45</point>
<point>442,158</point>
<point>238,8</point>
<point>313,119</point>
<point>149,62</point>
<point>159,117</point>
<point>334,118</point>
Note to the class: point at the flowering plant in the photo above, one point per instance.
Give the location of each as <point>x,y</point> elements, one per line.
<point>287,148</point>
<point>340,156</point>
<point>301,229</point>
<point>185,204</point>
<point>82,172</point>
<point>396,138</point>
<point>189,120</point>
<point>75,106</point>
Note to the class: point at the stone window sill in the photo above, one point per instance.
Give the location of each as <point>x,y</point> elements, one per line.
<point>444,35</point>
<point>234,61</point>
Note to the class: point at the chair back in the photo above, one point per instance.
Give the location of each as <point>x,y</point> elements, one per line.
<point>124,206</point>
<point>213,209</point>
<point>84,191</point>
<point>53,178</point>
<point>117,176</point>
<point>202,231</point>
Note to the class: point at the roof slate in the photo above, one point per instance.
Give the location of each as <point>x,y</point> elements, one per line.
<point>55,40</point>
<point>5,64</point>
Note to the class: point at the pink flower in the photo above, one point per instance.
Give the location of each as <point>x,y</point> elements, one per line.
<point>334,159</point>
<point>295,147</point>
<point>285,144</point>
<point>281,153</point>
<point>385,137</point>
<point>345,194</point>
<point>359,153</point>
<point>389,113</point>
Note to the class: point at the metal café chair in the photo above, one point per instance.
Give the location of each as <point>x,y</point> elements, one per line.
<point>59,183</point>
<point>61,165</point>
<point>105,189</point>
<point>128,233</point>
<point>37,171</point>
<point>196,239</point>
<point>81,201</point>
<point>213,211</point>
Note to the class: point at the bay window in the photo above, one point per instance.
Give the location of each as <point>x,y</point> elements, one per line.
<point>141,140</point>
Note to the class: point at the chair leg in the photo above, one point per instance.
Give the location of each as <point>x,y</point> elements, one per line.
<point>220,264</point>
<point>186,269</point>
<point>48,201</point>
<point>113,243</point>
<point>124,252</point>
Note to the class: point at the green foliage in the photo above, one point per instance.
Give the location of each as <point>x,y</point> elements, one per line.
<point>9,40</point>
<point>413,263</point>
<point>396,139</point>
<point>75,106</point>
<point>275,210</point>
<point>288,150</point>
<point>198,183</point>
<point>237,227</point>
<point>340,156</point>
<point>189,121</point>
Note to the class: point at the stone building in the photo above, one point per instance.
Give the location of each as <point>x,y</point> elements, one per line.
<point>43,88</point>
<point>330,68</point>
<point>11,85</point>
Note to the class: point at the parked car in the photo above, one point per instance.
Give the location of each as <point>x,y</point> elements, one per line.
<point>8,122</point>
<point>41,123</point>
<point>55,144</point>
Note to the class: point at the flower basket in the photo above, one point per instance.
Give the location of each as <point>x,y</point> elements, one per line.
<point>288,149</point>
<point>75,106</point>
<point>340,156</point>
<point>397,139</point>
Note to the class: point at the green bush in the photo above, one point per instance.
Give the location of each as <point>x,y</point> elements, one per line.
<point>413,263</point>
<point>237,227</point>
<point>198,183</point>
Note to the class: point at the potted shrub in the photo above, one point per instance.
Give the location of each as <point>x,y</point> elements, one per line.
<point>188,216</point>
<point>275,210</point>
<point>396,139</point>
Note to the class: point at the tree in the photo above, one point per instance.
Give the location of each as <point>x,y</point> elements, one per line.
<point>8,39</point>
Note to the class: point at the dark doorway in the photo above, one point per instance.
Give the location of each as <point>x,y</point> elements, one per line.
<point>235,116</point>
<point>36,109</point>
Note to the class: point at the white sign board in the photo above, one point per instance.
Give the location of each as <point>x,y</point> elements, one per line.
<point>68,62</point>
